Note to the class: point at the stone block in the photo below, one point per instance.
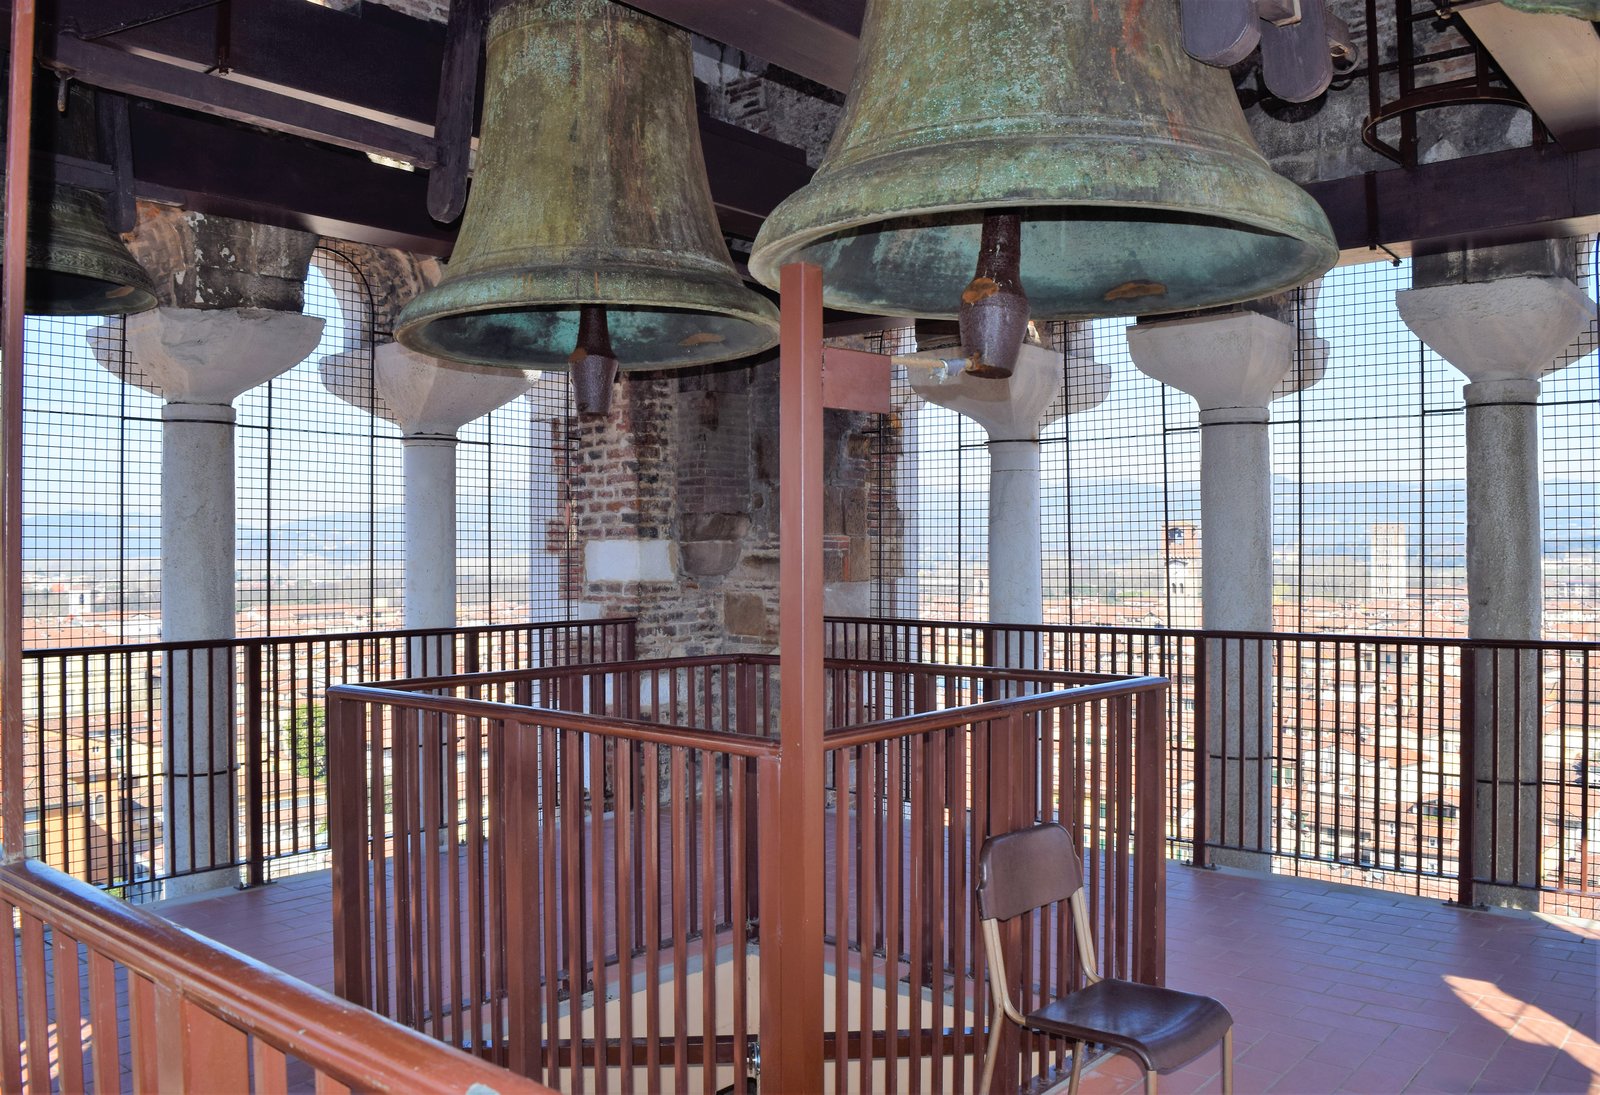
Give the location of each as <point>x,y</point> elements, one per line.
<point>715,526</point>
<point>745,614</point>
<point>847,598</point>
<point>622,560</point>
<point>709,558</point>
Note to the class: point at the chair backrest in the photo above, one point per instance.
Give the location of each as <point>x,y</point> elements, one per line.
<point>1026,869</point>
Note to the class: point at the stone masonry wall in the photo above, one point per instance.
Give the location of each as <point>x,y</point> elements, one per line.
<point>674,511</point>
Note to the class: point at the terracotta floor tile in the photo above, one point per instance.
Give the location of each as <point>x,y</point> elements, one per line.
<point>1377,1079</point>
<point>1331,989</point>
<point>1449,1072</point>
<point>1312,1076</point>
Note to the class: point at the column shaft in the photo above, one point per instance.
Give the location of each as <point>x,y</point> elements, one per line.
<point>1505,591</point>
<point>430,475</point>
<point>197,603</point>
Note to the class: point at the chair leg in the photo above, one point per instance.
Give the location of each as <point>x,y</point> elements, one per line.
<point>1150,1082</point>
<point>1227,1062</point>
<point>1079,1051</point>
<point>988,1056</point>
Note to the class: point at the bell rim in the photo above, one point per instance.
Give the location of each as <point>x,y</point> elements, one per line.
<point>726,297</point>
<point>808,216</point>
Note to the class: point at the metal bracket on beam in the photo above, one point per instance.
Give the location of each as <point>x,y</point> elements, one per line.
<point>855,380</point>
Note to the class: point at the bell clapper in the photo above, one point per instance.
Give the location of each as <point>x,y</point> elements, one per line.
<point>994,309</point>
<point>593,362</point>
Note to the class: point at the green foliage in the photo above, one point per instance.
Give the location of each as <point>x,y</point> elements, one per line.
<point>307,731</point>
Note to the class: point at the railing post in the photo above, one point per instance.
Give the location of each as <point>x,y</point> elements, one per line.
<point>348,841</point>
<point>1010,808</point>
<point>254,776</point>
<point>1202,755</point>
<point>1466,845</point>
<point>1150,851</point>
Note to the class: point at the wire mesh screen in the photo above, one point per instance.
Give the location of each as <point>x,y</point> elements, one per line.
<point>319,489</point>
<point>941,488</point>
<point>1569,422</point>
<point>91,496</point>
<point>1119,496</point>
<point>1369,487</point>
<point>1369,492</point>
<point>511,487</point>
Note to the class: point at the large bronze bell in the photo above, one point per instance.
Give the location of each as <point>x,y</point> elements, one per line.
<point>76,265</point>
<point>590,195</point>
<point>1125,163</point>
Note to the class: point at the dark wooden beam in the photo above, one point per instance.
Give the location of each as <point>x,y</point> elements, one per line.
<point>1500,197</point>
<point>163,81</point>
<point>455,119</point>
<point>277,179</point>
<point>817,39</point>
<point>370,59</point>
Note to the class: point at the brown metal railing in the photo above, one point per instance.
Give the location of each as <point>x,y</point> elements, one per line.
<point>1383,761</point>
<point>230,734</point>
<point>556,890</point>
<point>99,995</point>
<point>560,871</point>
<point>918,793</point>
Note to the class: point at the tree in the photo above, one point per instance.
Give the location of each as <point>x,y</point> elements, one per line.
<point>308,740</point>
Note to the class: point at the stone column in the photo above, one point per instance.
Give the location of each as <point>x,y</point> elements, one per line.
<point>430,401</point>
<point>200,361</point>
<point>229,319</point>
<point>1500,315</point>
<point>1231,363</point>
<point>1011,411</point>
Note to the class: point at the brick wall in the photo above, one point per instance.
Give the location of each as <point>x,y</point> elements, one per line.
<point>679,487</point>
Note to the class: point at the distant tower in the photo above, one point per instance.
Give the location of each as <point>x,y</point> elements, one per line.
<point>1183,572</point>
<point>1388,570</point>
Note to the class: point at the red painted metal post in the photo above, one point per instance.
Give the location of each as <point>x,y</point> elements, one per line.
<point>1150,848</point>
<point>1010,808</point>
<point>791,828</point>
<point>19,114</point>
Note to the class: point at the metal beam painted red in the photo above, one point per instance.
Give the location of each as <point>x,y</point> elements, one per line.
<point>791,820</point>
<point>19,112</point>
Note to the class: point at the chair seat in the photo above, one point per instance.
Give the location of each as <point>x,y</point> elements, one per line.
<point>1165,1028</point>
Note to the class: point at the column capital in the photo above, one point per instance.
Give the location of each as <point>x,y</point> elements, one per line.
<point>421,394</point>
<point>1012,409</point>
<point>1227,360</point>
<point>194,355</point>
<point>1507,329</point>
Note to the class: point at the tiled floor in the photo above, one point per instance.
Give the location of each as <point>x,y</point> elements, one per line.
<point>1332,988</point>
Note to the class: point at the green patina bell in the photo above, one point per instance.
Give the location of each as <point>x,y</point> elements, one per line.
<point>590,190</point>
<point>76,265</point>
<point>1577,9</point>
<point>1129,165</point>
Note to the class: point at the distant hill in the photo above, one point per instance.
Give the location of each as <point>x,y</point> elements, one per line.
<point>1111,520</point>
